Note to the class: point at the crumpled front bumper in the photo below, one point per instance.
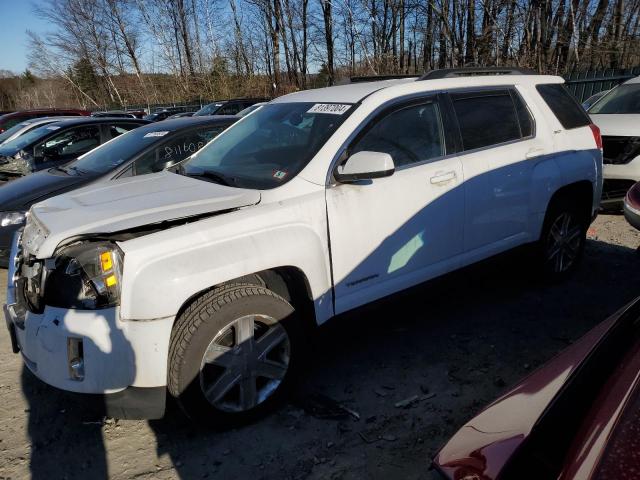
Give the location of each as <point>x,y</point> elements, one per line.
<point>124,361</point>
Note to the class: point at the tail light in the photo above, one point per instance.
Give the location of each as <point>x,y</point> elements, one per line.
<point>596,135</point>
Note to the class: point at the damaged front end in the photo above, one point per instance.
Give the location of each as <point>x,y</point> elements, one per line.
<point>619,150</point>
<point>18,165</point>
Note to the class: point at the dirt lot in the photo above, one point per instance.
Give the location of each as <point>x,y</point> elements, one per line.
<point>457,343</point>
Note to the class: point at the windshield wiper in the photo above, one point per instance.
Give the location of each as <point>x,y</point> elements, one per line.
<point>61,169</point>
<point>77,170</point>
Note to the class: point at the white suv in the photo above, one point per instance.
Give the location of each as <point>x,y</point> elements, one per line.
<point>617,114</point>
<point>205,281</point>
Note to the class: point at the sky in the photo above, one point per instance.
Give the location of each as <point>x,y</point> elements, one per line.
<point>17,16</point>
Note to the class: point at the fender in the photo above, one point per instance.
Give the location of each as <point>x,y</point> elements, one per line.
<point>558,170</point>
<point>165,269</point>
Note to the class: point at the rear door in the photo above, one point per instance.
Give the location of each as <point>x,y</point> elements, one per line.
<point>500,150</point>
<point>390,233</point>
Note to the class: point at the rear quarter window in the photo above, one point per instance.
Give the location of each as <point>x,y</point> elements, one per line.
<point>563,105</point>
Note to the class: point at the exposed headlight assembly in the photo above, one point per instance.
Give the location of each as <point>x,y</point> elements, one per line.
<point>21,163</point>
<point>12,218</point>
<point>87,275</point>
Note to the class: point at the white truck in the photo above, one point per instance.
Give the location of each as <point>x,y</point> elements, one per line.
<point>205,281</point>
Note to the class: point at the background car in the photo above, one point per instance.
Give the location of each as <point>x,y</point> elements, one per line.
<point>228,107</point>
<point>58,143</point>
<point>10,119</point>
<point>163,114</point>
<point>593,99</point>
<point>113,114</point>
<point>26,126</point>
<point>181,115</point>
<point>577,417</point>
<point>618,115</point>
<point>631,206</point>
<point>146,149</point>
<point>250,109</point>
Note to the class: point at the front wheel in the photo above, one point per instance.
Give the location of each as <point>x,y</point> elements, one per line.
<point>233,354</point>
<point>562,241</point>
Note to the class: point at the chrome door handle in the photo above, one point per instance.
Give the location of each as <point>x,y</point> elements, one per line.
<point>441,178</point>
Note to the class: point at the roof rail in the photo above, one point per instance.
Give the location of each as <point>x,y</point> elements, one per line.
<point>471,71</point>
<point>376,78</point>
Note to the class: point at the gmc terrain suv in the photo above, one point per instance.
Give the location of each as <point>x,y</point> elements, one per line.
<point>206,279</point>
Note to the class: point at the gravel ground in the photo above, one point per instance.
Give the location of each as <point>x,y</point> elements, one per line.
<point>456,343</point>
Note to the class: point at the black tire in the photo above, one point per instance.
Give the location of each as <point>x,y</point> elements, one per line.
<point>210,317</point>
<point>561,211</point>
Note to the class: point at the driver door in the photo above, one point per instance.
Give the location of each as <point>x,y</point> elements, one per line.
<point>66,146</point>
<point>390,233</point>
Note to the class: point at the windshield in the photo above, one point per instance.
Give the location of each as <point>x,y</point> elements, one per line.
<point>13,130</point>
<point>117,151</point>
<point>622,99</point>
<point>208,109</point>
<point>270,146</point>
<point>31,136</point>
<point>250,109</point>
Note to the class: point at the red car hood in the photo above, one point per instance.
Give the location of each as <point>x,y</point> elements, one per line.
<point>482,448</point>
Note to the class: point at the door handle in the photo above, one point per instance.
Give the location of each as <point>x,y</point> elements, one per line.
<point>534,152</point>
<point>441,178</point>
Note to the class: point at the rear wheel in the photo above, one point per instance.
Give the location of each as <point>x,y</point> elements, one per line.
<point>233,353</point>
<point>563,239</point>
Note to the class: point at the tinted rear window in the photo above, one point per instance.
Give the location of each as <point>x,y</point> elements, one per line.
<point>564,106</point>
<point>486,118</point>
<point>524,117</point>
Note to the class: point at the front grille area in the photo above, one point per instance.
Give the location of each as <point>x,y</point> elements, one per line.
<point>619,150</point>
<point>26,275</point>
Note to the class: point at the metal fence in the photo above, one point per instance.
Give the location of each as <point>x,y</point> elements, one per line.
<point>584,84</point>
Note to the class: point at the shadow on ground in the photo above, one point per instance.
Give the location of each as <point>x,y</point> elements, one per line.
<point>456,342</point>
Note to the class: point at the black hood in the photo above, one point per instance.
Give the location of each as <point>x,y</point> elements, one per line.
<point>23,192</point>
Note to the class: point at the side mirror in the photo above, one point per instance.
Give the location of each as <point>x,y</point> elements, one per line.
<point>365,166</point>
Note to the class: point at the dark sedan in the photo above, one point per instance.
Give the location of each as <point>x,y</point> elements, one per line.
<point>228,107</point>
<point>576,418</point>
<point>8,120</point>
<point>59,143</point>
<point>147,149</point>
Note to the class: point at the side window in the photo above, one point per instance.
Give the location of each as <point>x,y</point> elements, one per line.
<point>71,143</point>
<point>174,150</point>
<point>230,108</point>
<point>486,118</point>
<point>563,105</point>
<point>524,116</point>
<point>411,134</point>
<point>117,130</point>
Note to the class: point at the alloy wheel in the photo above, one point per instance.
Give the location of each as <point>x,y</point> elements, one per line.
<point>563,243</point>
<point>245,363</point>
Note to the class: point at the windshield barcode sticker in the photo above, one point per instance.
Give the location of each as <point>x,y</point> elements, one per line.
<point>331,108</point>
<point>156,134</point>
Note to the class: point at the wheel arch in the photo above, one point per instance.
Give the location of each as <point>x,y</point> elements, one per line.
<point>289,282</point>
<point>579,193</point>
